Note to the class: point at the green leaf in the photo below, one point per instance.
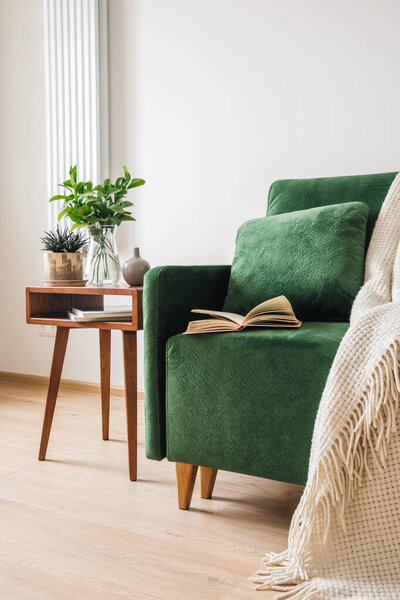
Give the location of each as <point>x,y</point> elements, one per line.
<point>84,210</point>
<point>136,182</point>
<point>127,174</point>
<point>67,187</point>
<point>72,173</point>
<point>75,218</point>
<point>126,203</point>
<point>63,213</point>
<point>78,226</point>
<point>58,197</point>
<point>117,208</point>
<point>127,218</point>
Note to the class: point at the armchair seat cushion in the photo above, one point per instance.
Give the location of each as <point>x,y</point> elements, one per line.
<point>246,401</point>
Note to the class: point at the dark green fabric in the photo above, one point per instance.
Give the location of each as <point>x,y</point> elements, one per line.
<point>287,195</point>
<point>169,295</point>
<point>246,401</point>
<point>170,292</point>
<point>314,257</point>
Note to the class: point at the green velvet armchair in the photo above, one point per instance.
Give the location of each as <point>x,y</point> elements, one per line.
<point>242,403</point>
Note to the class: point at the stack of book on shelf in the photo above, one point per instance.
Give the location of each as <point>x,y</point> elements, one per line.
<point>111,313</point>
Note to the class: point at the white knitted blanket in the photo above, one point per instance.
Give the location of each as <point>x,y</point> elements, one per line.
<point>344,539</point>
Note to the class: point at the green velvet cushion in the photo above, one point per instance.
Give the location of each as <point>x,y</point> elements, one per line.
<point>247,401</point>
<point>315,257</point>
<point>286,195</point>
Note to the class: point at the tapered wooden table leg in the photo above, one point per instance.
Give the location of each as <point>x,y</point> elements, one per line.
<point>60,346</point>
<point>130,370</point>
<point>105,353</point>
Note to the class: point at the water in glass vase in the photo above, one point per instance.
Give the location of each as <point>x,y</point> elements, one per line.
<point>102,261</point>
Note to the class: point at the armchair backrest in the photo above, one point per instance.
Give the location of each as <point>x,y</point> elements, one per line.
<point>287,195</point>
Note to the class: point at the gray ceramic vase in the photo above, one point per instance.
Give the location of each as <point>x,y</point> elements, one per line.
<point>134,269</point>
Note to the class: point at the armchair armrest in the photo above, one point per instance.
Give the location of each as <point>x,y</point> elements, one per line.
<point>169,295</point>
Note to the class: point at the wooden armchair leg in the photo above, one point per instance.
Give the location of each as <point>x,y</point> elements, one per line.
<point>185,480</point>
<point>207,481</point>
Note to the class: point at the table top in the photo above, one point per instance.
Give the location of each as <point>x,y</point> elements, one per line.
<point>117,289</point>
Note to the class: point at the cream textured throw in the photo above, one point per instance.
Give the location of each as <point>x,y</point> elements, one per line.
<point>344,539</point>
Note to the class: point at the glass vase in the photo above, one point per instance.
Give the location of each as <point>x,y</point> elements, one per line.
<point>102,261</point>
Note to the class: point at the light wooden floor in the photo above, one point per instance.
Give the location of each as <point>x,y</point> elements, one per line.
<point>75,527</point>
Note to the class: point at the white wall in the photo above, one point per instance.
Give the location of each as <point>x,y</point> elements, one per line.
<point>22,180</point>
<point>23,209</point>
<point>210,101</point>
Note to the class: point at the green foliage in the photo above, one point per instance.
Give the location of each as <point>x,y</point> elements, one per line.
<point>103,204</point>
<point>63,240</point>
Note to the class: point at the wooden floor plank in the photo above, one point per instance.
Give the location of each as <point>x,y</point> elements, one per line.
<point>75,527</point>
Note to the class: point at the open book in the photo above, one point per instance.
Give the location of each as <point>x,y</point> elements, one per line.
<point>276,312</point>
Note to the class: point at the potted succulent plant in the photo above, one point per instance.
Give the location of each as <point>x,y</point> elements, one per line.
<point>63,257</point>
<point>101,209</point>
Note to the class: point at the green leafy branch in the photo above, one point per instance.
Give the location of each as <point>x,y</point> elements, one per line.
<point>103,204</point>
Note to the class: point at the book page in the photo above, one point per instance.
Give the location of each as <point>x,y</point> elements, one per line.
<point>238,319</point>
<point>210,326</point>
<point>278,305</point>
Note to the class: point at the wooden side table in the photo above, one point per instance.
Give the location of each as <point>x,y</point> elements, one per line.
<point>49,306</point>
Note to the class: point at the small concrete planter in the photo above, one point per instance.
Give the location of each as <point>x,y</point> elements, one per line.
<point>63,267</point>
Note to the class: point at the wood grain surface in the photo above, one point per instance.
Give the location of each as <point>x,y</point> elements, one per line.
<point>75,528</point>
<point>130,376</point>
<point>105,364</point>
<point>207,481</point>
<point>60,345</point>
<point>50,305</point>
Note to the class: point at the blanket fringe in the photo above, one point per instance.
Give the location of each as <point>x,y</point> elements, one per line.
<point>340,472</point>
<point>275,577</point>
